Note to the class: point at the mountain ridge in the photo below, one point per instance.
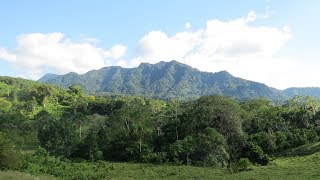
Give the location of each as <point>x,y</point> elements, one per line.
<point>165,80</point>
<point>302,91</point>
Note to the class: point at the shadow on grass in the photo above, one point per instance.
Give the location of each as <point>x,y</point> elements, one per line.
<point>303,150</point>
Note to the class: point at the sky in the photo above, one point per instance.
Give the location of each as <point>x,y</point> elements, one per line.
<point>268,41</point>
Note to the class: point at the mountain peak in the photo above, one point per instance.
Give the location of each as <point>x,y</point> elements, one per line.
<point>224,73</point>
<point>143,64</point>
<point>171,63</point>
<point>48,77</point>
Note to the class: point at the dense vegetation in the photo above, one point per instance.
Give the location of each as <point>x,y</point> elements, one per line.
<point>74,129</point>
<point>164,80</point>
<point>306,167</point>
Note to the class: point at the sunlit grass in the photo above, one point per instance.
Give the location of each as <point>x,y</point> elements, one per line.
<point>298,167</point>
<point>14,175</point>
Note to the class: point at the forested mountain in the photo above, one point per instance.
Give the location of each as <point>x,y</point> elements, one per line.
<point>306,91</point>
<point>164,80</point>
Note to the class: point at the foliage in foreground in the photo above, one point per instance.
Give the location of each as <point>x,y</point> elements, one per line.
<point>15,175</point>
<point>10,158</point>
<point>300,167</point>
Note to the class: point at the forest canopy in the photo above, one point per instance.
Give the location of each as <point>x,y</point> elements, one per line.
<point>210,131</point>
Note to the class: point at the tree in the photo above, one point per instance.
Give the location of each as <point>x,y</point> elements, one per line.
<point>220,113</point>
<point>255,154</point>
<point>182,149</point>
<point>5,105</point>
<point>89,148</point>
<point>130,131</point>
<point>212,148</point>
<point>306,103</point>
<point>76,90</point>
<point>56,135</point>
<point>80,112</point>
<point>41,93</point>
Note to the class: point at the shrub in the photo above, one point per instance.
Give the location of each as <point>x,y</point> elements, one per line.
<point>243,164</point>
<point>256,154</point>
<point>157,158</point>
<point>10,158</point>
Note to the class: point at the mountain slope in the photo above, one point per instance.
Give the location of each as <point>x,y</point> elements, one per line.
<point>306,91</point>
<point>48,77</point>
<point>164,80</point>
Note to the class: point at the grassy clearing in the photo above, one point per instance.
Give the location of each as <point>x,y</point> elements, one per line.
<point>298,163</point>
<point>14,175</point>
<point>299,167</point>
<point>306,167</point>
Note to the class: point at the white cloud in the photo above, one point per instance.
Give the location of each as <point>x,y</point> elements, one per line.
<point>116,52</point>
<point>4,54</point>
<point>237,46</point>
<point>156,46</point>
<point>37,53</point>
<point>252,16</point>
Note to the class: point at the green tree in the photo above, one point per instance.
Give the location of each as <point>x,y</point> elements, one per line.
<point>212,148</point>
<point>5,105</point>
<point>89,148</point>
<point>255,154</point>
<point>56,135</point>
<point>220,113</point>
<point>41,93</point>
<point>76,90</point>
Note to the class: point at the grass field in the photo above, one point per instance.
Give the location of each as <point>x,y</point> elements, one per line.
<point>14,175</point>
<point>307,167</point>
<point>294,167</point>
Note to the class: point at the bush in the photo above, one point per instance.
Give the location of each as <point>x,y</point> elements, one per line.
<point>256,154</point>
<point>43,163</point>
<point>212,161</point>
<point>156,158</point>
<point>10,158</point>
<point>243,164</point>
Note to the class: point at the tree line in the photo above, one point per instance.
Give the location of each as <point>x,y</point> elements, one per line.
<point>209,131</point>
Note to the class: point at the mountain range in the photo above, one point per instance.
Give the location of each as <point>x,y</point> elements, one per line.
<point>167,80</point>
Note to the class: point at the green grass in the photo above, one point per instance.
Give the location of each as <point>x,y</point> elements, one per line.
<point>298,163</point>
<point>306,167</point>
<point>300,167</point>
<point>302,150</point>
<point>14,175</point>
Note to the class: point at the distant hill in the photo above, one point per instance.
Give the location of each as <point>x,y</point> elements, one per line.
<point>164,80</point>
<point>48,77</point>
<point>306,91</point>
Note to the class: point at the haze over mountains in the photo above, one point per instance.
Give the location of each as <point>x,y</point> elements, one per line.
<point>170,80</point>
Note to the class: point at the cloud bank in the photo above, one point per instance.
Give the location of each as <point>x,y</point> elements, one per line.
<point>246,50</point>
<point>37,53</point>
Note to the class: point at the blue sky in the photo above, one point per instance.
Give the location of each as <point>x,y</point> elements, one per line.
<point>37,37</point>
